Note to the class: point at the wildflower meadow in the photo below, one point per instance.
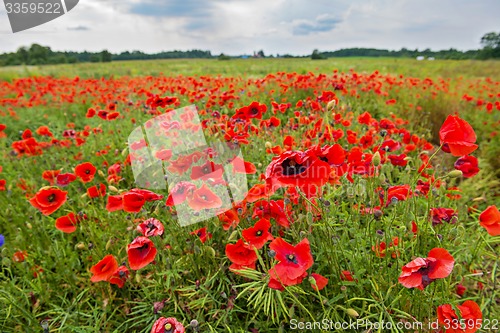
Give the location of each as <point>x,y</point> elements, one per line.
<point>259,195</point>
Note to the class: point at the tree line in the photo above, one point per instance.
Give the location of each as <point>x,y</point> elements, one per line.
<point>40,55</point>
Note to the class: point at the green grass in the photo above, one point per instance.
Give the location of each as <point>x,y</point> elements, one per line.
<point>261,67</point>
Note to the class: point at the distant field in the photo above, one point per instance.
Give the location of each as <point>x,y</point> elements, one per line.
<point>261,67</point>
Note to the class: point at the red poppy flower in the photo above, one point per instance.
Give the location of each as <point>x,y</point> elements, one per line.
<point>275,209</point>
<point>490,220</point>
<point>295,168</point>
<point>141,252</point>
<point>50,175</point>
<point>133,202</point>
<point>457,136</point>
<point>115,202</point>
<point>259,234</point>
<point>179,193</point>
<point>48,200</point>
<point>148,195</point>
<point>207,170</point>
<point>164,154</point>
<point>381,248</point>
<point>420,272</point>
<point>470,319</point>
<point>63,179</point>
<point>319,283</point>
<point>202,234</point>
<point>468,165</point>
<point>204,198</point>
<point>167,325</point>
<point>44,131</point>
<point>96,191</point>
<point>90,113</point>
<point>85,171</point>
<point>19,256</point>
<point>104,269</point>
<point>460,289</point>
<point>294,261</point>
<point>258,191</point>
<point>241,253</point>
<point>440,215</point>
<point>333,155</point>
<point>397,193</point>
<point>67,223</point>
<point>120,276</point>
<point>398,160</point>
<point>151,227</point>
<point>346,276</point>
<point>255,110</point>
<point>3,182</point>
<point>241,166</point>
<point>229,219</point>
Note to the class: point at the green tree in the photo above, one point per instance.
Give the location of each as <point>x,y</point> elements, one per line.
<point>491,45</point>
<point>317,56</point>
<point>106,56</point>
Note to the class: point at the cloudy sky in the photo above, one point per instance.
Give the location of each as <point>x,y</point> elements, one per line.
<point>275,26</point>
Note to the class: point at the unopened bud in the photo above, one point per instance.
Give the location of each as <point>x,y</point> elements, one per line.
<point>352,313</point>
<point>455,174</point>
<point>269,145</point>
<point>331,105</point>
<point>112,188</point>
<point>376,159</point>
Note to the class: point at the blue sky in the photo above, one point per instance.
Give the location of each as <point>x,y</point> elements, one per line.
<point>275,26</point>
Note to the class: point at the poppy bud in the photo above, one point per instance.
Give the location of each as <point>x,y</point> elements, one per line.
<point>101,173</point>
<point>109,243</point>
<point>138,278</point>
<point>28,225</point>
<point>80,246</point>
<point>376,159</point>
<point>112,188</point>
<point>233,236</point>
<point>331,105</point>
<point>352,313</point>
<point>45,325</point>
<point>455,174</point>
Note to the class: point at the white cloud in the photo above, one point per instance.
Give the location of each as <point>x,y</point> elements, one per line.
<point>244,26</point>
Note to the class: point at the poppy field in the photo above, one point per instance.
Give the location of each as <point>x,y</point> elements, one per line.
<point>362,199</point>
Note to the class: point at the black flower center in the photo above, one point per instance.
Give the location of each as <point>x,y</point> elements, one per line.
<point>254,110</point>
<point>290,167</point>
<point>144,247</point>
<point>259,233</point>
<point>168,328</point>
<point>51,197</point>
<point>291,258</point>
